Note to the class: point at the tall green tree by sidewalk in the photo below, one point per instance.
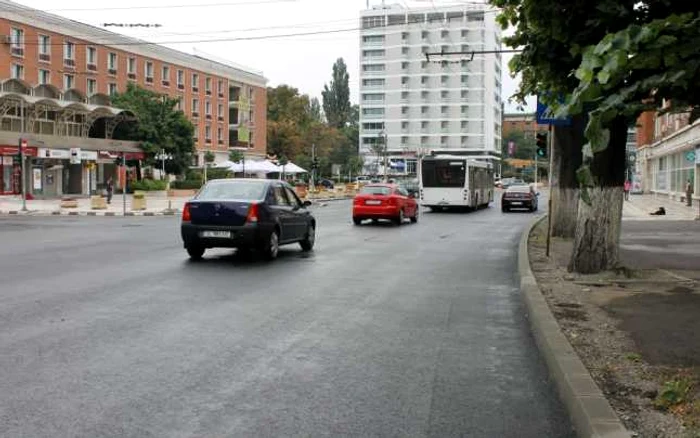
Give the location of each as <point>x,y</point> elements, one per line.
<point>160,127</point>
<point>612,59</point>
<point>336,97</point>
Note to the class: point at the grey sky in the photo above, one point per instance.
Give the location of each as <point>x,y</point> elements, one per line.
<point>303,62</point>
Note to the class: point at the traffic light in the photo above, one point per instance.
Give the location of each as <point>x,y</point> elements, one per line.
<point>314,164</point>
<point>542,145</point>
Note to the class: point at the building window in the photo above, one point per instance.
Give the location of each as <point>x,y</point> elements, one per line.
<point>404,125</point>
<point>443,140</point>
<point>404,36</point>
<point>404,110</point>
<point>404,140</point>
<point>69,54</point>
<point>404,50</point>
<point>195,107</point>
<point>220,112</point>
<point>68,82</point>
<point>178,105</point>
<point>424,95</point>
<point>166,76</point>
<point>44,48</point>
<point>220,87</point>
<point>207,109</point>
<point>424,80</point>
<point>404,65</point>
<point>424,110</point>
<point>17,71</point>
<point>444,94</point>
<point>91,87</point>
<point>131,68</point>
<point>207,86</point>
<point>112,89</point>
<point>444,125</point>
<point>92,58</point>
<point>195,131</point>
<point>112,63</point>
<point>17,42</point>
<point>443,110</point>
<point>220,134</point>
<point>195,82</point>
<point>44,77</point>
<point>404,95</point>
<point>207,133</point>
<point>149,72</point>
<point>443,80</point>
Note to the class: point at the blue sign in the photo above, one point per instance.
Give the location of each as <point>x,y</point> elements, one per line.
<point>545,116</point>
<point>690,156</point>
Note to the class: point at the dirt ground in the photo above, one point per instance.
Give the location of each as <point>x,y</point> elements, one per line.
<point>637,331</point>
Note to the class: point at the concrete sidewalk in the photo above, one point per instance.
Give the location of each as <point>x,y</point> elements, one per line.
<point>639,207</point>
<point>155,206</point>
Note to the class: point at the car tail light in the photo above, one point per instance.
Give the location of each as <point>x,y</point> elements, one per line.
<point>252,217</point>
<point>186,216</point>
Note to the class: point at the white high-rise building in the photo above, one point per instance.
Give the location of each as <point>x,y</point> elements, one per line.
<point>450,103</point>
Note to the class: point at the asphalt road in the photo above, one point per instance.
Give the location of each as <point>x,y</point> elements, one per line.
<point>671,245</point>
<point>107,330</point>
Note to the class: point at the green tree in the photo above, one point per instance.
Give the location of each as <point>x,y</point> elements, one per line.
<point>611,59</point>
<point>525,145</point>
<point>336,96</point>
<point>160,127</point>
<point>315,110</point>
<point>235,156</point>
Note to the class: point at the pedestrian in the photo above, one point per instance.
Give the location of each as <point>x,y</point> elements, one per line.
<point>689,194</point>
<point>110,190</point>
<point>628,186</point>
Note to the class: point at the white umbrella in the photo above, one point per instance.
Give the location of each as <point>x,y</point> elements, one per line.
<point>292,168</point>
<point>260,167</point>
<point>230,165</point>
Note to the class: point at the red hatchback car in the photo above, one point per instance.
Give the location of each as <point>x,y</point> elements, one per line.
<point>384,201</point>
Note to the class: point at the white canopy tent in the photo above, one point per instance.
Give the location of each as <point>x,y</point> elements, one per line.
<point>292,168</point>
<point>249,166</point>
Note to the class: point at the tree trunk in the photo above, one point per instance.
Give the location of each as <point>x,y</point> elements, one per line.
<point>597,240</point>
<point>567,143</point>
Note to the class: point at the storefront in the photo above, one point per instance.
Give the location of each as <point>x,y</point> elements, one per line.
<point>10,171</point>
<point>668,165</point>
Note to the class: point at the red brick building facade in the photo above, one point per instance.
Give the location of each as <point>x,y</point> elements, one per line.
<point>48,63</point>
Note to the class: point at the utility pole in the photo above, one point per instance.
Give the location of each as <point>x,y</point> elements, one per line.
<point>123,172</point>
<point>313,167</point>
<point>162,156</point>
<point>536,169</point>
<point>23,177</point>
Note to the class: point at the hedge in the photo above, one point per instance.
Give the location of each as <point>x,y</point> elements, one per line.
<point>148,185</point>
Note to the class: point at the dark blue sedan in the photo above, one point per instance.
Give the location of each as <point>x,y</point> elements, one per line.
<point>248,214</point>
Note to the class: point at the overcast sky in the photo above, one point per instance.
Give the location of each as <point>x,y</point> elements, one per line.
<point>303,62</point>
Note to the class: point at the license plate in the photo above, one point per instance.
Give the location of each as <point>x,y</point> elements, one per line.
<point>516,203</point>
<point>373,202</point>
<point>217,234</point>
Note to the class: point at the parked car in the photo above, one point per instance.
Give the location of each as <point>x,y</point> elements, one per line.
<point>519,196</point>
<point>326,183</point>
<point>384,201</point>
<point>507,182</point>
<point>248,214</point>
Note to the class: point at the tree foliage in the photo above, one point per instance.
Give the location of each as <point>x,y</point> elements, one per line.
<point>336,97</point>
<point>294,125</point>
<point>160,127</point>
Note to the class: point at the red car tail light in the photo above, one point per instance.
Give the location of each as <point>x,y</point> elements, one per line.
<point>252,217</point>
<point>186,215</point>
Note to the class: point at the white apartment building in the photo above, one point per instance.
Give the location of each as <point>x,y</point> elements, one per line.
<point>450,103</point>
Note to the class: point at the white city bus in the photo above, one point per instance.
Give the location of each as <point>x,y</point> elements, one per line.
<point>453,181</point>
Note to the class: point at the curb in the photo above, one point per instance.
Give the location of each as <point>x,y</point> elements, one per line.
<point>590,411</point>
<point>88,213</point>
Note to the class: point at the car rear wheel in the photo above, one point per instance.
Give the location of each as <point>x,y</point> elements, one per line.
<point>195,252</point>
<point>308,243</point>
<point>399,220</point>
<point>504,209</point>
<point>271,248</point>
<point>357,221</point>
<point>414,218</point>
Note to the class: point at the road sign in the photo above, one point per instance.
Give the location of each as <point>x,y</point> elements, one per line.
<point>545,116</point>
<point>690,156</point>
<point>24,143</point>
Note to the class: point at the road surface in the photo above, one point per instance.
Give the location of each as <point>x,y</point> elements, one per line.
<point>106,329</point>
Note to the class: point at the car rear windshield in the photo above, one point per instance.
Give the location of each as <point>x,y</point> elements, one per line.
<point>376,190</point>
<point>233,190</point>
<point>519,188</point>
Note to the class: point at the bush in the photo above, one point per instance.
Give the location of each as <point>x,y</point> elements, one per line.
<point>148,185</point>
<point>188,184</point>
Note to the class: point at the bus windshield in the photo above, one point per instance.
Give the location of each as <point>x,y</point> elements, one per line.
<point>443,173</point>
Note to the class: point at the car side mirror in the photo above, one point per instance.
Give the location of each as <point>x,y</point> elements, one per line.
<point>307,203</point>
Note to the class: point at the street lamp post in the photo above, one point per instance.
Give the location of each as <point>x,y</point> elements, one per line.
<point>384,151</point>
